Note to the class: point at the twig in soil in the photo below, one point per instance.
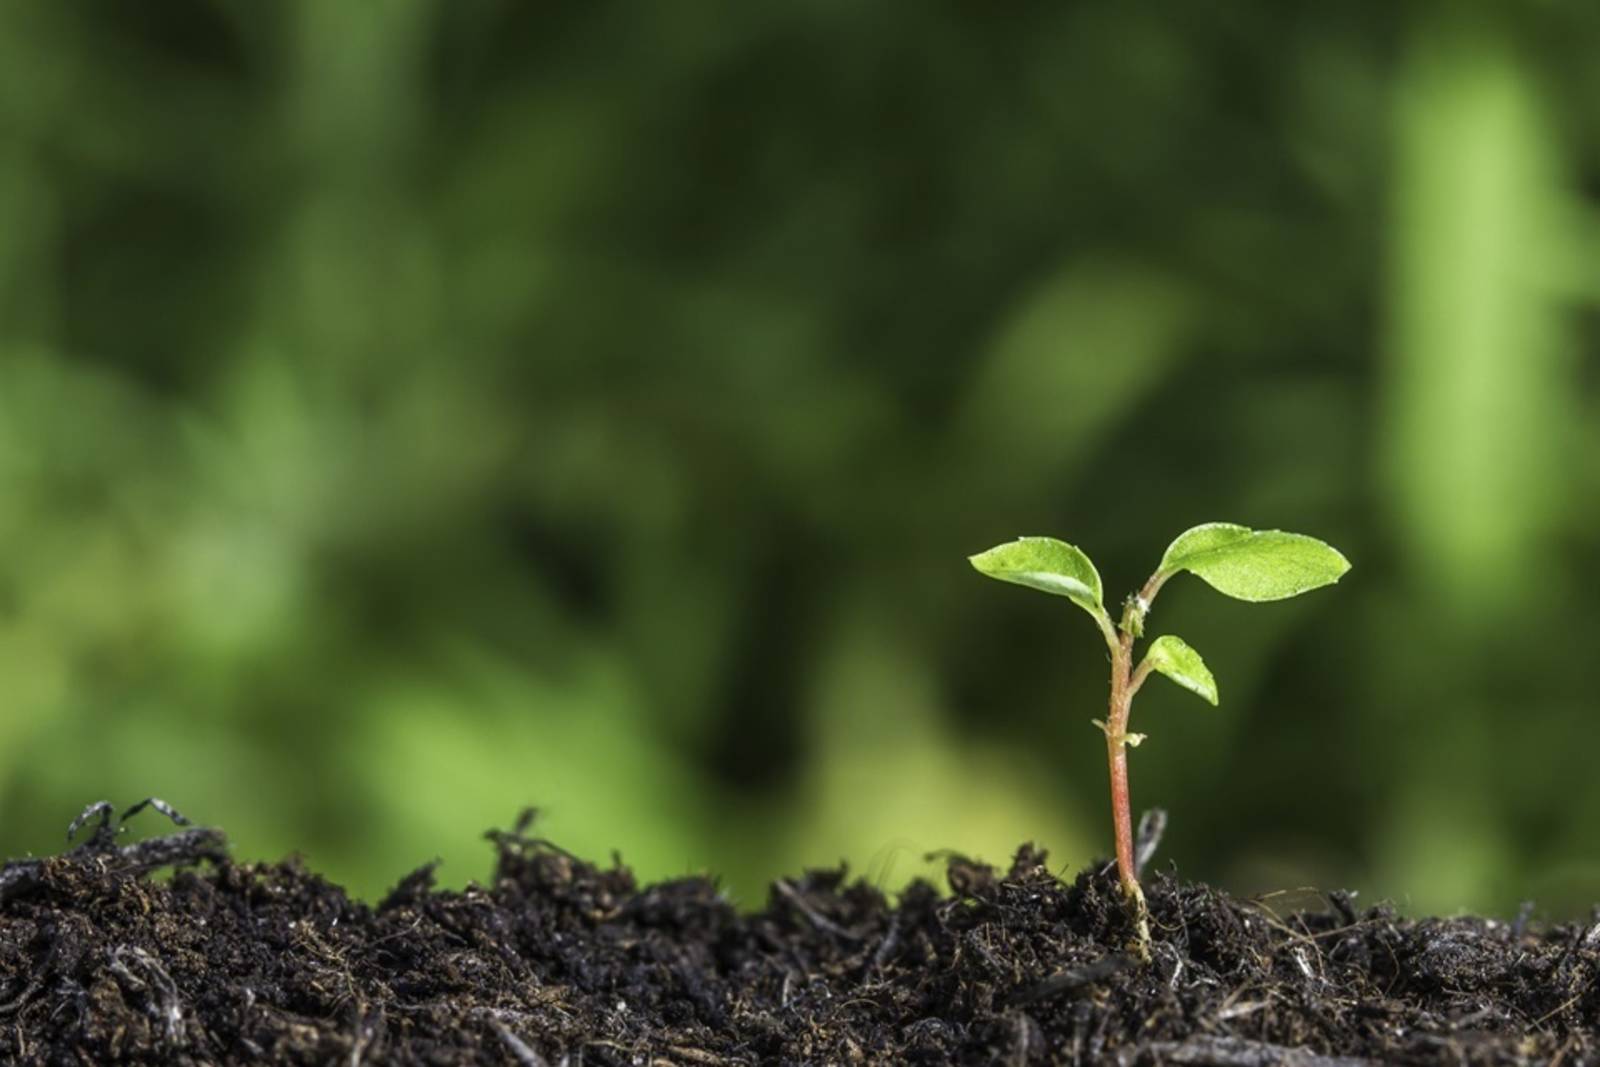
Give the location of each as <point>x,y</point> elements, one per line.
<point>518,835</point>
<point>166,1005</point>
<point>367,1027</point>
<point>1022,1048</point>
<point>101,808</point>
<point>22,998</point>
<point>696,1055</point>
<point>1343,902</point>
<point>160,805</point>
<point>1238,1052</point>
<point>18,877</point>
<point>1238,1010</point>
<point>1271,918</point>
<point>816,918</point>
<point>518,1048</point>
<point>1152,824</point>
<point>890,941</point>
<point>103,834</point>
<point>185,846</point>
<point>1068,981</point>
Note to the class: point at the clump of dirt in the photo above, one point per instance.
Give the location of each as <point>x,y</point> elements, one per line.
<point>556,961</point>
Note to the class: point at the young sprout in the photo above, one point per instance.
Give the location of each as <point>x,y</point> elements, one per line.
<point>1254,565</point>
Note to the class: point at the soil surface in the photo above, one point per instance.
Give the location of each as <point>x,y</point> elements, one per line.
<point>556,961</point>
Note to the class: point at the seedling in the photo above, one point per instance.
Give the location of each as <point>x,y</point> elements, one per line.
<point>1253,565</point>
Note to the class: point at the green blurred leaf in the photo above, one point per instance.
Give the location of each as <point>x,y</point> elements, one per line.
<point>1045,564</point>
<point>1173,657</point>
<point>1254,565</point>
<point>1072,360</point>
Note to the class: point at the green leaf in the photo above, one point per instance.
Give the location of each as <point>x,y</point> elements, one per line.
<point>1254,565</point>
<point>1045,564</point>
<point>1173,657</point>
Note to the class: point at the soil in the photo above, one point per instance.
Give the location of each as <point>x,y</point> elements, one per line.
<point>557,961</point>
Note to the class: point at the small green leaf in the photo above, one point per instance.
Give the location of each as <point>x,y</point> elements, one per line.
<point>1046,564</point>
<point>1173,657</point>
<point>1254,565</point>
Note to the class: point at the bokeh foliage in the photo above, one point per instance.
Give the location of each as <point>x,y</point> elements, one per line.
<point>413,410</point>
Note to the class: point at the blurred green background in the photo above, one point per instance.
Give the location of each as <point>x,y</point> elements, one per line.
<point>414,410</point>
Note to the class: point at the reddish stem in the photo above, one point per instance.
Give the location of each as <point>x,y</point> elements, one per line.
<point>1117,760</point>
<point>1124,683</point>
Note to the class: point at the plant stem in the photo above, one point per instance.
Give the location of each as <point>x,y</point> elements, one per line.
<point>1124,683</point>
<point>1117,757</point>
<point>1121,806</point>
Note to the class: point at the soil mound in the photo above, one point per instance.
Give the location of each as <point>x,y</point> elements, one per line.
<point>557,961</point>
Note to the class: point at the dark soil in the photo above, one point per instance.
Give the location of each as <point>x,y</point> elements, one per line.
<point>556,961</point>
